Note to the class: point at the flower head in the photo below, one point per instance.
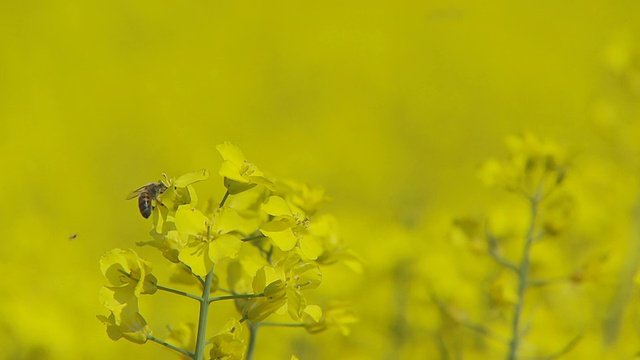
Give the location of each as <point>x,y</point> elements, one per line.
<point>129,325</point>
<point>239,174</point>
<point>282,285</point>
<point>288,229</point>
<point>209,241</point>
<point>228,343</point>
<point>534,166</point>
<point>129,277</point>
<point>336,315</point>
<point>126,272</point>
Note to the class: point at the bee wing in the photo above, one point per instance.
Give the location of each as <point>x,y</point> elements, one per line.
<point>135,193</point>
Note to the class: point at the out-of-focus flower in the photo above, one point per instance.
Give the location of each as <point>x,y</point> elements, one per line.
<point>534,166</point>
<point>468,232</point>
<point>334,250</point>
<point>302,197</point>
<point>336,315</point>
<point>503,290</point>
<point>182,336</point>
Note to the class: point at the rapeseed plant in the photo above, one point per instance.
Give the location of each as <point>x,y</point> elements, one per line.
<point>263,234</point>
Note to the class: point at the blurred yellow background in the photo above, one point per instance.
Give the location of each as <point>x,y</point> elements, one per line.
<point>391,106</point>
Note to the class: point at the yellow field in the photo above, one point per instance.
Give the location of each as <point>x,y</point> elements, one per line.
<point>402,111</point>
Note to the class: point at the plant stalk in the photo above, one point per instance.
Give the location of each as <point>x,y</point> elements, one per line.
<point>201,340</point>
<point>253,334</point>
<point>523,278</point>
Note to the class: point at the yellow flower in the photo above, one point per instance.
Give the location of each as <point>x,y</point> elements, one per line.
<point>209,241</point>
<point>302,197</point>
<point>131,326</point>
<point>182,336</point>
<point>239,174</point>
<point>288,229</point>
<point>336,315</point>
<point>228,343</point>
<point>127,273</point>
<point>180,192</point>
<point>128,277</point>
<point>324,229</point>
<point>534,167</point>
<point>282,285</point>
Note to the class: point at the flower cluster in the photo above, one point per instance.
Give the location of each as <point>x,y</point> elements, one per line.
<point>535,172</point>
<point>533,165</point>
<point>269,238</point>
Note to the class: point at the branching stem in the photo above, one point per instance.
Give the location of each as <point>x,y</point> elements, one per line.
<point>523,277</point>
<point>179,292</point>
<point>235,296</point>
<point>253,334</point>
<point>254,237</point>
<point>201,340</point>
<point>172,347</point>
<point>205,302</point>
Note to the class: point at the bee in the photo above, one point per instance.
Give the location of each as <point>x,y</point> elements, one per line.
<point>146,195</point>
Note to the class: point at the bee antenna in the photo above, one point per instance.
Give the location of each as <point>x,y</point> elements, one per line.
<point>166,178</point>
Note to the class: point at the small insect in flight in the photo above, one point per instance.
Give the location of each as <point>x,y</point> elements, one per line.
<point>146,196</point>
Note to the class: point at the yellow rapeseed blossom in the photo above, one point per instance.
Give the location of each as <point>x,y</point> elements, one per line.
<point>533,165</point>
<point>282,285</point>
<point>336,315</point>
<point>260,241</point>
<point>288,229</point>
<point>131,326</point>
<point>228,343</point>
<point>209,240</point>
<point>239,174</point>
<point>126,272</point>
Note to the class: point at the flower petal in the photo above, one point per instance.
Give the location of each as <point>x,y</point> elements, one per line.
<point>196,256</point>
<point>224,246</point>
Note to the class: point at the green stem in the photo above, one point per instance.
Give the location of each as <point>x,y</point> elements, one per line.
<point>523,277</point>
<point>224,199</point>
<point>179,292</point>
<point>201,340</point>
<point>254,237</point>
<point>172,347</point>
<point>253,334</point>
<point>199,279</point>
<point>205,301</point>
<point>236,296</point>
